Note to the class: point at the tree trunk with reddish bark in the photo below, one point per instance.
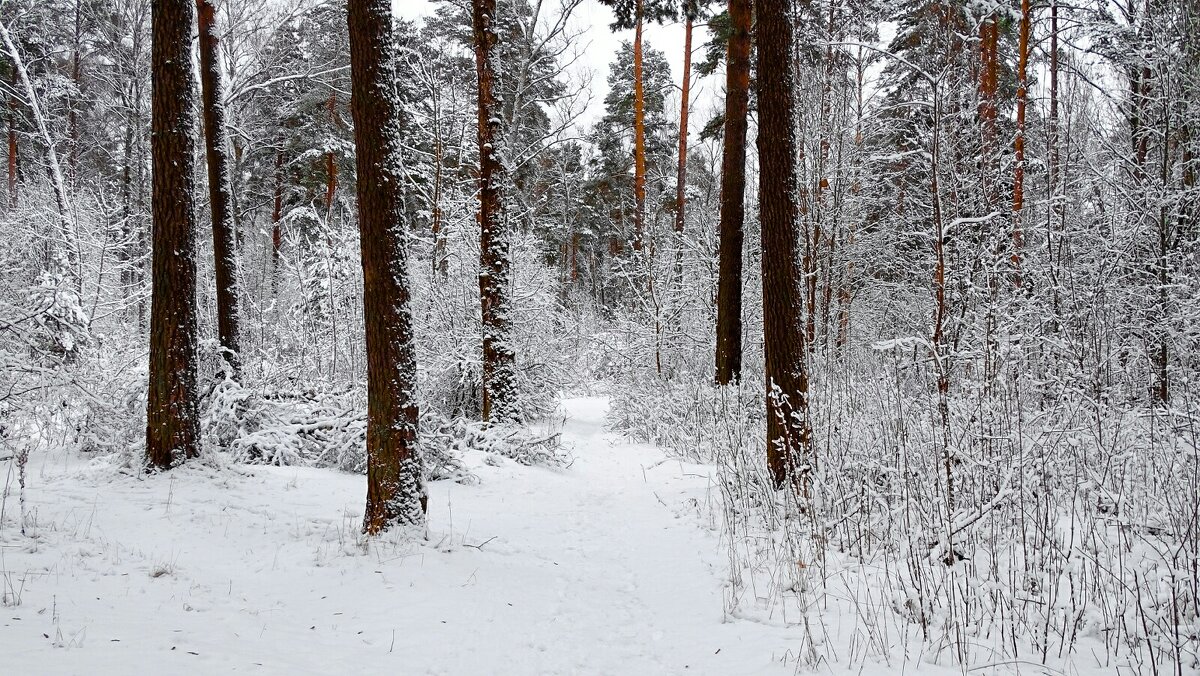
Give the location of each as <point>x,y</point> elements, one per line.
<point>331,166</point>
<point>788,433</point>
<point>499,376</point>
<point>989,82</point>
<point>395,485</point>
<point>639,134</point>
<point>1019,141</point>
<point>681,168</point>
<point>733,195</point>
<point>220,187</point>
<point>172,422</point>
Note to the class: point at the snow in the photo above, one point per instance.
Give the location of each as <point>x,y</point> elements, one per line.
<point>611,565</point>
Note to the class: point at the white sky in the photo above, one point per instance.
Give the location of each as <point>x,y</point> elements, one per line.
<point>600,47</point>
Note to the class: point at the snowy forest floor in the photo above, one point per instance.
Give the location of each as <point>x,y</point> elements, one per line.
<point>612,565</point>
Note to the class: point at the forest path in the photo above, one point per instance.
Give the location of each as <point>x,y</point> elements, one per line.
<point>606,567</point>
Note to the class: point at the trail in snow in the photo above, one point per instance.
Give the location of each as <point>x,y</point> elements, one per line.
<point>606,567</point>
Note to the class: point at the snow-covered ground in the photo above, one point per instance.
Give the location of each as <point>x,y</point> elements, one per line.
<point>609,566</point>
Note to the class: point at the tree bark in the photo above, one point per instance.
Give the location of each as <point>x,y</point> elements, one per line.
<point>845,291</point>
<point>13,199</point>
<point>276,218</point>
<point>733,195</point>
<point>331,167</point>
<point>1056,203</point>
<point>681,170</point>
<point>441,260</point>
<point>395,486</point>
<point>639,134</point>
<point>220,187</point>
<point>499,377</point>
<point>125,252</point>
<point>788,433</point>
<point>827,212</point>
<point>1019,140</point>
<point>989,82</point>
<point>172,423</point>
<point>77,81</point>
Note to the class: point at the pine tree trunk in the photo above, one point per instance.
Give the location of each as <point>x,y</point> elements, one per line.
<point>681,169</point>
<point>76,80</point>
<point>172,423</point>
<point>1056,201</point>
<point>143,247</point>
<point>395,488</point>
<point>825,210</point>
<point>125,253</point>
<point>441,261</point>
<point>331,167</point>
<point>845,291</point>
<point>639,135</point>
<point>733,195</point>
<point>788,435</point>
<point>276,224</point>
<point>13,199</point>
<point>574,259</point>
<point>220,188</point>
<point>499,378</point>
<point>989,83</point>
<point>1019,140</point>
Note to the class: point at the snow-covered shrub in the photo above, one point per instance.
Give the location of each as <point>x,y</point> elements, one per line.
<point>1069,534</point>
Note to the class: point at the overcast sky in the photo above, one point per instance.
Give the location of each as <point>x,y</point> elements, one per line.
<point>601,47</point>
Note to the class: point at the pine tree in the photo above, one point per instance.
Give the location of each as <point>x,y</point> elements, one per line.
<point>788,433</point>
<point>615,133</point>
<point>1019,138</point>
<point>691,12</point>
<point>220,186</point>
<point>395,485</point>
<point>499,376</point>
<point>733,195</point>
<point>634,14</point>
<point>172,424</point>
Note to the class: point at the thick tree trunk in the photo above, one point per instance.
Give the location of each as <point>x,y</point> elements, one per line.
<point>499,377</point>
<point>639,135</point>
<point>733,195</point>
<point>395,486</point>
<point>788,434</point>
<point>1019,141</point>
<point>172,423</point>
<point>220,187</point>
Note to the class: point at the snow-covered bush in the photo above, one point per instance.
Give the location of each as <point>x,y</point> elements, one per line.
<point>1069,534</point>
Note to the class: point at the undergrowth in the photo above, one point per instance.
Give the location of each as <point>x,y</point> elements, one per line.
<point>1068,531</point>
